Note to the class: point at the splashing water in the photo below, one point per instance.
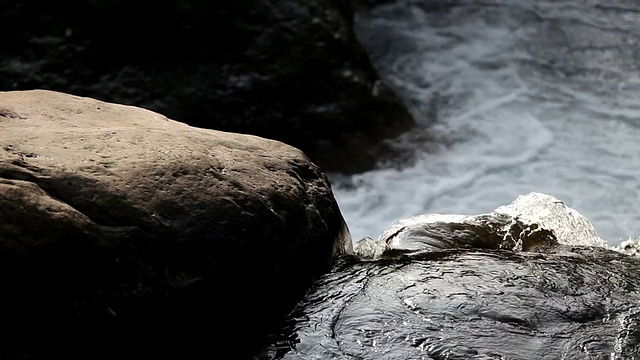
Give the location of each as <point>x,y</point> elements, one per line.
<point>522,96</point>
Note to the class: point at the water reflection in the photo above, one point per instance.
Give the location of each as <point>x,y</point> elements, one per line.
<point>574,303</point>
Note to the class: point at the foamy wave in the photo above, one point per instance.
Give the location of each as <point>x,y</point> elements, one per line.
<point>384,195</point>
<point>630,247</point>
<point>524,96</point>
<point>532,222</point>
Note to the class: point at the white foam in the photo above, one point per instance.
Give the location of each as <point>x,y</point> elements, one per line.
<point>510,119</point>
<point>386,195</point>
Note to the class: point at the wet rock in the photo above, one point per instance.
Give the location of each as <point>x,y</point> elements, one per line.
<point>531,221</point>
<point>290,70</point>
<point>124,232</point>
<point>578,303</point>
<point>528,281</point>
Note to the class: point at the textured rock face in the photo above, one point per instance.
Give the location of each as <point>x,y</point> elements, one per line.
<point>289,70</point>
<point>121,228</point>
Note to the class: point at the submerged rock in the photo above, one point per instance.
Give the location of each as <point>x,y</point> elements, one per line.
<point>124,232</point>
<point>493,286</point>
<point>471,304</point>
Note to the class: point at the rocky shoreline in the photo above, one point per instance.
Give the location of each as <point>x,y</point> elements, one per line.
<point>137,221</point>
<point>125,233</point>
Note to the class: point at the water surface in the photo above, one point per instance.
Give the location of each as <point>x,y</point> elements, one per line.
<point>521,96</point>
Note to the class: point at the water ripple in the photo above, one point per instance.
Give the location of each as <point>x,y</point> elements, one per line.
<point>480,304</point>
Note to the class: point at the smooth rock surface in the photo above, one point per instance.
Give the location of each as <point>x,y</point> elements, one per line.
<point>125,233</point>
<point>579,303</point>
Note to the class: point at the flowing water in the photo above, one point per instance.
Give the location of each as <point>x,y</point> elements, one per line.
<point>529,281</point>
<point>521,96</point>
<point>471,305</point>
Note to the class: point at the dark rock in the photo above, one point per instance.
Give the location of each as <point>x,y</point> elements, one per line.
<point>125,234</point>
<point>290,70</point>
<point>530,281</point>
<point>576,303</point>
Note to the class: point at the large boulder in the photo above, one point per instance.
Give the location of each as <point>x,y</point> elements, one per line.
<point>530,280</point>
<point>290,70</point>
<point>125,233</point>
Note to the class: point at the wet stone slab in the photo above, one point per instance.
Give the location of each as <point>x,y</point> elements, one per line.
<point>531,280</point>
